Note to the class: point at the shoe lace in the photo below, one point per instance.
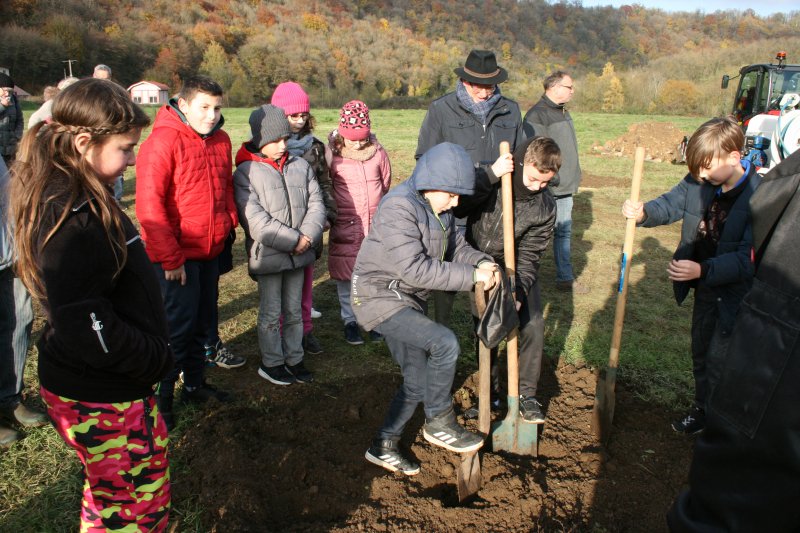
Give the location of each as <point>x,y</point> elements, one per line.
<point>530,403</point>
<point>223,353</point>
<point>688,420</point>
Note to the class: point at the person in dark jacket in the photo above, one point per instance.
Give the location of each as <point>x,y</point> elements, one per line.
<point>105,344</point>
<point>535,163</point>
<point>714,254</point>
<point>411,249</point>
<point>549,117</point>
<point>16,320</point>
<point>478,118</point>
<point>12,123</point>
<point>745,473</point>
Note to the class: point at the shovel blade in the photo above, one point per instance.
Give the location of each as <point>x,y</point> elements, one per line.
<point>604,401</point>
<point>515,436</point>
<point>470,479</point>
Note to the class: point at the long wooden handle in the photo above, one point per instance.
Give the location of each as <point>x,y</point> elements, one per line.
<point>625,264</point>
<point>510,261</point>
<point>484,373</point>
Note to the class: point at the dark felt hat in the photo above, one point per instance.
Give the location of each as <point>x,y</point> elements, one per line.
<point>481,67</point>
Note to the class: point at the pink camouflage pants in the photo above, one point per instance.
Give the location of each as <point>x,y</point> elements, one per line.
<point>123,449</point>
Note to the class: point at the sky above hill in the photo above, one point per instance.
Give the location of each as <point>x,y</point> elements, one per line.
<point>708,6</point>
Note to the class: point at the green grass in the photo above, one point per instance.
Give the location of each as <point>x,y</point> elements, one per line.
<point>40,478</point>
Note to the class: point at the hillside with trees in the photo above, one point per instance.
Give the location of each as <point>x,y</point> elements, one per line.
<point>398,53</point>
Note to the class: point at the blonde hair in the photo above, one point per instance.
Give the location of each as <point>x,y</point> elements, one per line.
<point>50,174</point>
<point>717,137</point>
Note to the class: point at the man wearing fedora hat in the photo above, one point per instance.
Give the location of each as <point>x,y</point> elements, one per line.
<point>478,118</point>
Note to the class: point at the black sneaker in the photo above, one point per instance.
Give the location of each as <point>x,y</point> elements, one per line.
<point>530,410</point>
<point>311,345</point>
<point>374,336</point>
<point>352,335</point>
<point>276,374</point>
<point>300,373</point>
<point>472,412</point>
<point>386,454</point>
<point>164,404</point>
<point>446,432</point>
<point>223,358</point>
<point>203,393</point>
<point>693,423</point>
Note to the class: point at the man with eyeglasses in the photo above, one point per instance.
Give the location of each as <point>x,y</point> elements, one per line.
<point>478,118</point>
<point>549,118</point>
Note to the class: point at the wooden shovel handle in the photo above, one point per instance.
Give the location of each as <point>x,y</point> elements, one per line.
<point>510,261</point>
<point>625,264</point>
<point>484,373</point>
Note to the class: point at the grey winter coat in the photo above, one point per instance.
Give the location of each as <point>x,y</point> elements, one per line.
<point>730,271</point>
<point>550,119</point>
<point>448,121</point>
<point>409,250</point>
<point>275,208</point>
<point>12,126</point>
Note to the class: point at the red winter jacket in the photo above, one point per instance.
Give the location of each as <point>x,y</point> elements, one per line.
<point>184,191</point>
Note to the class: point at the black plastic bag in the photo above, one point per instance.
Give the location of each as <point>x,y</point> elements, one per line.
<point>500,317</point>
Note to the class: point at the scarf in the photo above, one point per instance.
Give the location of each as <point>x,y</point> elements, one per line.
<point>297,145</point>
<point>479,109</point>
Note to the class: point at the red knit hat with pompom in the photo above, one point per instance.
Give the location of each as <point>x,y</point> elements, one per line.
<point>354,121</point>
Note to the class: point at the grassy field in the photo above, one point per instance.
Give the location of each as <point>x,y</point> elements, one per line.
<point>40,478</point>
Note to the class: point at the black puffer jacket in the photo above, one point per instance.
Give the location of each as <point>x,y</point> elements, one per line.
<point>534,220</point>
<point>106,337</point>
<point>448,121</point>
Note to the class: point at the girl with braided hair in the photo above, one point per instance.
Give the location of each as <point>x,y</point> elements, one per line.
<point>105,343</point>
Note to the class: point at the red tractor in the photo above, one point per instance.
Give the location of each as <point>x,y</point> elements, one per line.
<point>766,105</point>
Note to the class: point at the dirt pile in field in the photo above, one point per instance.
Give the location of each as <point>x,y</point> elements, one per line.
<point>292,459</point>
<point>660,140</point>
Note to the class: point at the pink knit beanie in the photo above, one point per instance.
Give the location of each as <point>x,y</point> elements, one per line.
<point>354,121</point>
<point>290,97</point>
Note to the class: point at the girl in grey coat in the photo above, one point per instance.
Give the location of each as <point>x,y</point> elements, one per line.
<point>282,212</point>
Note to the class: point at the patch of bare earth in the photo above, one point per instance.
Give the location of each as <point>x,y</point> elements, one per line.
<point>660,139</point>
<point>292,459</point>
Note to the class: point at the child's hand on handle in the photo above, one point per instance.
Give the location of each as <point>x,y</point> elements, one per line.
<point>633,210</point>
<point>303,244</point>
<point>488,273</point>
<point>683,270</point>
<point>179,274</point>
<point>503,165</point>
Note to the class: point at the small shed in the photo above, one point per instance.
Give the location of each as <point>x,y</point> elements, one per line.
<point>149,93</point>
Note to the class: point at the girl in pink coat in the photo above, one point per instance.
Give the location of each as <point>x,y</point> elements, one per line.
<point>361,175</point>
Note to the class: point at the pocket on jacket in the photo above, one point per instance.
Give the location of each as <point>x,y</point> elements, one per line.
<point>347,232</point>
<point>764,337</point>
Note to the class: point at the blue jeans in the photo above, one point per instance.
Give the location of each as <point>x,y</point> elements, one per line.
<point>189,310</point>
<point>561,239</point>
<point>16,320</point>
<point>427,353</point>
<point>343,289</point>
<point>280,293</point>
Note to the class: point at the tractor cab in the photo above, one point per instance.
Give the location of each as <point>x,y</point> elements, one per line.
<point>761,88</point>
<point>766,105</point>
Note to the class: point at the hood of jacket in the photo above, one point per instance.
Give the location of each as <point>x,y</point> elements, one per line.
<point>246,153</point>
<point>445,167</point>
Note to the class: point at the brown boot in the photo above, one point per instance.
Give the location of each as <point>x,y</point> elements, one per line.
<point>8,436</point>
<point>25,416</point>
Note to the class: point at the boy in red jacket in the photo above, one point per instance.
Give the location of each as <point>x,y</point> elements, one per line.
<point>184,202</point>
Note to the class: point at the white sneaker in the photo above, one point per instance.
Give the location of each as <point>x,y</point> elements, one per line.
<point>315,313</point>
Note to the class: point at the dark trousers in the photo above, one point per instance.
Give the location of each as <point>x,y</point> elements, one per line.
<point>427,353</point>
<point>530,344</point>
<point>189,310</point>
<point>705,317</point>
<point>16,319</point>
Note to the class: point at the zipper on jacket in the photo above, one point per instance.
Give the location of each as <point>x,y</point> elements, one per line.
<point>444,231</point>
<point>97,326</point>
<point>148,425</point>
<point>393,287</point>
